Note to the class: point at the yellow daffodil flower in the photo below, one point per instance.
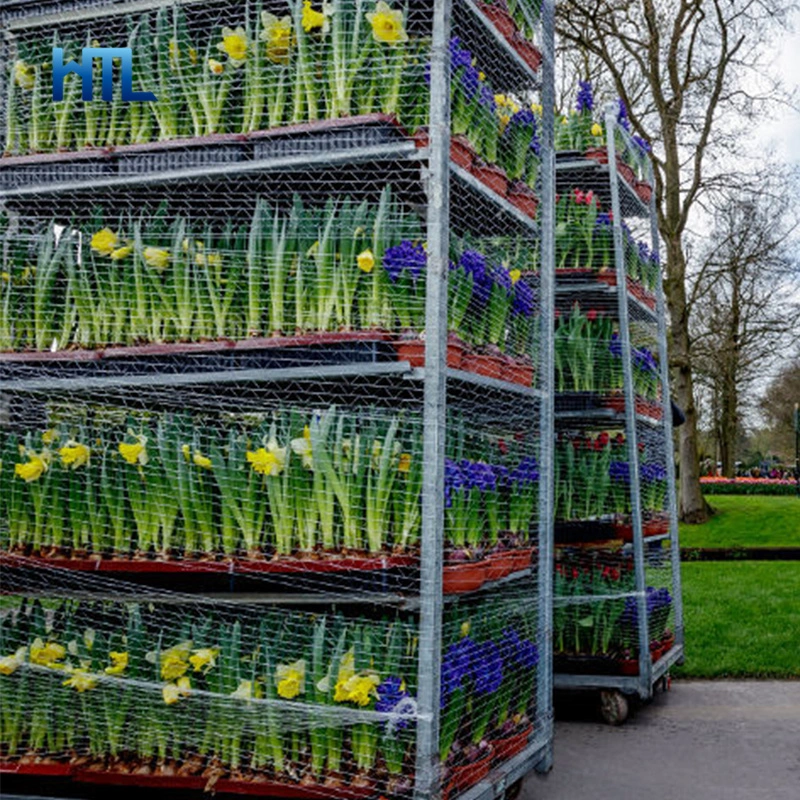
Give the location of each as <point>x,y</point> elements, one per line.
<point>377,449</point>
<point>302,447</point>
<point>244,691</point>
<point>121,253</point>
<point>216,67</point>
<point>81,680</point>
<point>24,75</point>
<point>10,664</point>
<point>404,462</point>
<point>187,452</point>
<point>597,129</point>
<point>119,663</point>
<point>204,462</point>
<point>347,670</point>
<point>316,20</point>
<point>515,275</point>
<point>135,453</point>
<point>5,277</point>
<point>31,470</point>
<point>47,655</point>
<point>269,460</point>
<point>466,626</point>
<point>234,44</point>
<point>105,242</point>
<point>208,259</point>
<point>387,25</point>
<point>173,666</point>
<point>49,436</point>
<point>481,76</point>
<point>156,258</point>
<point>277,33</point>
<point>74,454</point>
<point>204,659</point>
<point>290,679</point>
<point>361,689</point>
<point>173,692</point>
<point>174,53</point>
<point>366,261</point>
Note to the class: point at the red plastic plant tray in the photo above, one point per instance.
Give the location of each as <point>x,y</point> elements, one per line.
<point>195,348</point>
<point>233,566</point>
<point>145,781</point>
<point>360,120</point>
<point>57,770</point>
<point>325,564</point>
<point>254,788</point>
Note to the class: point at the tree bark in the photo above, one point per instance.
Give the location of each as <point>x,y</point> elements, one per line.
<point>693,507</point>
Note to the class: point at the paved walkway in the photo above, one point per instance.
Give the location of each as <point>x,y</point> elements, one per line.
<point>726,740</point>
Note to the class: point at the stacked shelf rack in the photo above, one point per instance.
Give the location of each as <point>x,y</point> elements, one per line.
<point>276,400</point>
<point>618,623</point>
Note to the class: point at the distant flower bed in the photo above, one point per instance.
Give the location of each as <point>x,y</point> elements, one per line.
<point>712,485</point>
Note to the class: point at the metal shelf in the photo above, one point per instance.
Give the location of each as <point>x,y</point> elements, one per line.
<point>489,212</point>
<point>603,416</point>
<point>536,756</point>
<point>203,170</point>
<point>630,684</point>
<point>588,175</point>
<point>506,66</point>
<point>604,295</point>
<point>590,598</point>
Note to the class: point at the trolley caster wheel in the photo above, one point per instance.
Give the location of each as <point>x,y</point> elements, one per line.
<point>613,707</point>
<point>513,791</point>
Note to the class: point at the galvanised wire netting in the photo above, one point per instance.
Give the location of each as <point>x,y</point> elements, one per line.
<point>617,585</point>
<point>274,380</point>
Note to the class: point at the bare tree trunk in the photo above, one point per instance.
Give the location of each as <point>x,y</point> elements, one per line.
<point>729,414</point>
<point>693,507</point>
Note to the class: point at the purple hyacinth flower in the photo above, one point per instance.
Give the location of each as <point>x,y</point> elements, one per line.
<point>459,57</point>
<point>487,668</point>
<point>585,99</point>
<point>620,471</point>
<point>502,278</point>
<point>615,345</point>
<point>470,82</point>
<point>524,299</point>
<point>406,256</point>
<point>622,115</point>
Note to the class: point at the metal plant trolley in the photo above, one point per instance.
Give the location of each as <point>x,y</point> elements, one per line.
<point>276,399</point>
<point>618,624</point>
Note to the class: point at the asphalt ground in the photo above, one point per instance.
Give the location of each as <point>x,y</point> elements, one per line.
<point>702,740</point>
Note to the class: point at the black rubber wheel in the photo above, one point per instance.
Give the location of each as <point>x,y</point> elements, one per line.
<point>514,791</point>
<point>614,706</point>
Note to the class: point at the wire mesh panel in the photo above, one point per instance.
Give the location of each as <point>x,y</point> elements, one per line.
<point>276,395</point>
<point>617,585</point>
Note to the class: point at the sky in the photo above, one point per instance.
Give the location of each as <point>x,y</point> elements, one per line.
<point>783,131</point>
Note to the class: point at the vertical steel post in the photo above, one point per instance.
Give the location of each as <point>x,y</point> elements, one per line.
<point>544,686</point>
<point>663,357</point>
<point>438,229</point>
<point>645,666</point>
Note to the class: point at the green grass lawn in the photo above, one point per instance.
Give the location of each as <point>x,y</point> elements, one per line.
<point>747,521</point>
<point>742,619</point>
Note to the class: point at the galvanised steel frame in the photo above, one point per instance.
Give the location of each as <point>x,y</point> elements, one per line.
<point>649,673</point>
<point>435,377</point>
